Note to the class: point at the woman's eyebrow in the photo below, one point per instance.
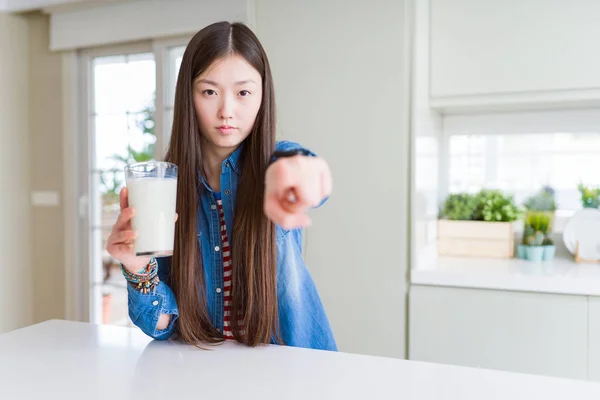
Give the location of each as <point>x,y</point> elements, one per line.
<point>208,81</point>
<point>245,81</point>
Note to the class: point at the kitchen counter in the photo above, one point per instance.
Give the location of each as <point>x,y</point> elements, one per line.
<point>561,275</point>
<point>72,360</point>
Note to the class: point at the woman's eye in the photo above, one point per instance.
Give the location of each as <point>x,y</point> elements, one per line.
<point>244,93</point>
<point>209,92</point>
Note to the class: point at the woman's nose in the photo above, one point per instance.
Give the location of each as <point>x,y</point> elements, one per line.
<point>226,109</point>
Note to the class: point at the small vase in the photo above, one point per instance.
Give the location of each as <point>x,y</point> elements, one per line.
<point>534,253</point>
<point>549,252</point>
<point>521,251</point>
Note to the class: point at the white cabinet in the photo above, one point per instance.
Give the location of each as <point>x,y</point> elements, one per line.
<point>514,331</point>
<point>519,51</point>
<point>594,339</point>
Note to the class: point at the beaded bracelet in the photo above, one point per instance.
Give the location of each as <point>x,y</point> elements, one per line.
<point>147,286</point>
<point>146,279</point>
<point>147,273</point>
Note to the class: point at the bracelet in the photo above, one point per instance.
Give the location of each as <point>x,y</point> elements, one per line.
<point>145,280</point>
<point>288,153</point>
<point>146,274</point>
<point>146,287</point>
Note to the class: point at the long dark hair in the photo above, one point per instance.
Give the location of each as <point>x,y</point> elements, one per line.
<point>254,281</point>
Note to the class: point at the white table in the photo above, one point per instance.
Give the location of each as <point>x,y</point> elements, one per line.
<point>71,360</point>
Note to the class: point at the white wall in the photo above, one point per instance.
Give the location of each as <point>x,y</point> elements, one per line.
<point>341,72</point>
<point>15,162</point>
<point>426,131</point>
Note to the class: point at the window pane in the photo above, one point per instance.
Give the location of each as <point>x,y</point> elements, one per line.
<point>111,140</point>
<point>110,74</point>
<point>124,138</point>
<point>123,120</point>
<point>123,83</point>
<point>110,286</point>
<point>521,164</point>
<point>110,184</point>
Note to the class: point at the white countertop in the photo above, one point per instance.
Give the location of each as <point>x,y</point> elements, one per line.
<point>561,275</point>
<point>72,360</point>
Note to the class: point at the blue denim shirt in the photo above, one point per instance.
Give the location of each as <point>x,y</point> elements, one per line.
<point>303,320</point>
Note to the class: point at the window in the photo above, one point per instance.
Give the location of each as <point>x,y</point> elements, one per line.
<point>123,129</point>
<point>522,163</point>
<point>130,99</point>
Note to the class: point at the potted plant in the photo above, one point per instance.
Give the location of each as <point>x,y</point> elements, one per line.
<point>460,207</point>
<point>590,196</point>
<point>480,225</point>
<point>543,201</point>
<point>536,244</point>
<point>549,249</point>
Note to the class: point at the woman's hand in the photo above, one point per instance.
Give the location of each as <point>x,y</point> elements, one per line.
<point>292,186</point>
<point>121,241</point>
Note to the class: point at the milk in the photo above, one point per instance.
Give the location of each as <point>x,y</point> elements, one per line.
<point>154,202</point>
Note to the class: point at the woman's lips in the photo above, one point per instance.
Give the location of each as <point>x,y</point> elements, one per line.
<point>225,129</point>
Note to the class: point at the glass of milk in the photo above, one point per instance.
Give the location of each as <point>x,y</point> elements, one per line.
<point>152,191</point>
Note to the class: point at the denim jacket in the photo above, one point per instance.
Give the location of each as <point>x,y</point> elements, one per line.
<point>302,318</point>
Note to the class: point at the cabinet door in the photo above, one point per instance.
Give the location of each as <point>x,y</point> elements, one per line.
<point>486,47</point>
<point>513,331</point>
<point>594,339</point>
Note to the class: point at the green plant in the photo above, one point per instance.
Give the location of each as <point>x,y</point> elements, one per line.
<point>535,240</point>
<point>590,197</point>
<point>542,200</point>
<point>536,229</point>
<point>539,221</point>
<point>528,231</point>
<point>459,207</point>
<point>547,241</point>
<point>495,206</point>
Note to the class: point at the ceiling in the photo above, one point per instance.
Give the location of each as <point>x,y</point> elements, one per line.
<point>30,5</point>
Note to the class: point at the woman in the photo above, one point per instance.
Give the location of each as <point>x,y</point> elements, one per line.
<point>237,270</point>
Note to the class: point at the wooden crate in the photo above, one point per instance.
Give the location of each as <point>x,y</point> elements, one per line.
<point>476,239</point>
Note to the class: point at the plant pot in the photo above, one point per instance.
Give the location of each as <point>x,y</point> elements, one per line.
<point>534,253</point>
<point>549,252</point>
<point>521,251</point>
<point>476,239</point>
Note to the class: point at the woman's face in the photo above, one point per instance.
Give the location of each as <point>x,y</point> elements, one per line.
<point>227,97</point>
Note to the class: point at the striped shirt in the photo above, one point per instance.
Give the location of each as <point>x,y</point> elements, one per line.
<point>227,333</point>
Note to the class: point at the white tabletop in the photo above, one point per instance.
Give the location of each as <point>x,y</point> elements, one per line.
<point>71,360</point>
